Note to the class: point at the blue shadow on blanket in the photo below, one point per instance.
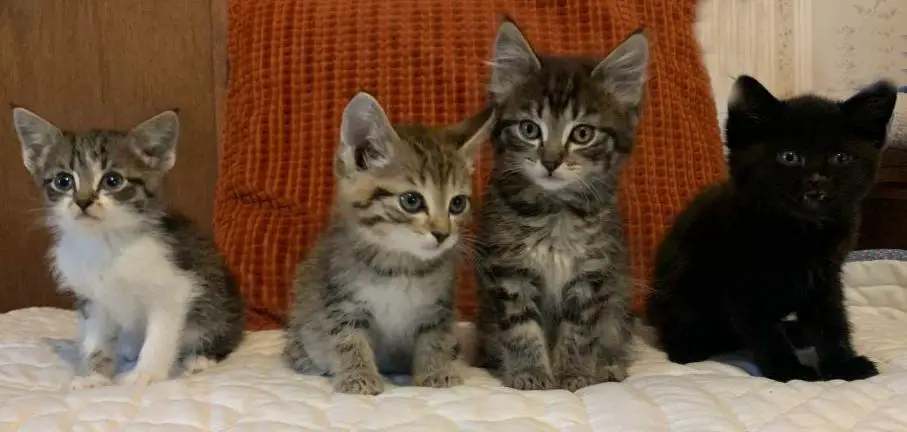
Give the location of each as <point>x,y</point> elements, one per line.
<point>743,360</point>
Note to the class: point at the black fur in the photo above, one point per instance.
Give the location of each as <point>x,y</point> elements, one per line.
<point>772,240</point>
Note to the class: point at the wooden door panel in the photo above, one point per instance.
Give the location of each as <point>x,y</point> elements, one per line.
<point>108,64</point>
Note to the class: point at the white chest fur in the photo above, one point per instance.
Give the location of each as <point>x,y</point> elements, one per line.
<point>398,305</point>
<point>555,250</point>
<point>128,275</point>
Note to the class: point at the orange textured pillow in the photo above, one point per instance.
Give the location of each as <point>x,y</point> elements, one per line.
<point>295,63</point>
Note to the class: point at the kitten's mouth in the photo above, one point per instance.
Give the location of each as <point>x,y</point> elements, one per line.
<point>814,198</point>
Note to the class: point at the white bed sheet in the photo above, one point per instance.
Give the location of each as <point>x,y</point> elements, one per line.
<point>253,391</point>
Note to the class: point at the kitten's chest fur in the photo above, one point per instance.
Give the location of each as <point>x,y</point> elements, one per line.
<point>398,304</point>
<point>557,247</point>
<point>126,274</point>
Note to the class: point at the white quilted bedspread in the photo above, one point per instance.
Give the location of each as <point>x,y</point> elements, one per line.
<point>252,391</point>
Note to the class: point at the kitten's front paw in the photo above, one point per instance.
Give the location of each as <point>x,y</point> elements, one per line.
<point>143,378</point>
<point>93,380</point>
<point>531,379</point>
<point>360,382</point>
<point>854,368</point>
<point>196,364</point>
<point>439,379</point>
<point>574,382</point>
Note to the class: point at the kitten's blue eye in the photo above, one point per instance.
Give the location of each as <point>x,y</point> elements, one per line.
<point>582,134</point>
<point>841,158</point>
<point>458,204</point>
<point>790,158</point>
<point>412,202</point>
<point>112,181</point>
<point>529,130</point>
<point>63,182</point>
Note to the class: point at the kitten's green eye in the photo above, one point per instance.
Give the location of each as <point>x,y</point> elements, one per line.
<point>582,134</point>
<point>63,182</point>
<point>841,158</point>
<point>529,130</point>
<point>790,158</point>
<point>458,204</point>
<point>412,202</point>
<point>112,181</point>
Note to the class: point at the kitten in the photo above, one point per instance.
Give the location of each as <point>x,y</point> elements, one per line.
<point>771,241</point>
<point>378,291</point>
<point>553,275</point>
<point>142,277</point>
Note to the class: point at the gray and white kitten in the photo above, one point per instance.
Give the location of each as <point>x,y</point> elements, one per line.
<point>552,267</point>
<point>144,279</point>
<point>378,292</point>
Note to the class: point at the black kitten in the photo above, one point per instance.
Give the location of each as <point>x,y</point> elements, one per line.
<point>771,241</point>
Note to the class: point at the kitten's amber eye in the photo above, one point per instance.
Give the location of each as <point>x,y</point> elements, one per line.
<point>112,181</point>
<point>412,202</point>
<point>529,130</point>
<point>63,182</point>
<point>458,204</point>
<point>841,158</point>
<point>582,134</point>
<point>790,158</point>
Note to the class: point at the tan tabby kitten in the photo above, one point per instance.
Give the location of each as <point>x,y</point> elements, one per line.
<point>378,292</point>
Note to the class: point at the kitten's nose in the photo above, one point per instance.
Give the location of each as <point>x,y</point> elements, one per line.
<point>439,236</point>
<point>84,203</point>
<point>816,181</point>
<point>551,165</point>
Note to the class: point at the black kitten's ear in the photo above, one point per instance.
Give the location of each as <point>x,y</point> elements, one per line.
<point>750,100</point>
<point>872,108</point>
<point>366,135</point>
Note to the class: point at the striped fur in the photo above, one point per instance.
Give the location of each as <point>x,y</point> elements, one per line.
<point>552,271</point>
<point>145,280</point>
<point>378,291</point>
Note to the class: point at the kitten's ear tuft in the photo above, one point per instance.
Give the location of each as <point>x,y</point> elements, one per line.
<point>154,140</point>
<point>750,100</point>
<point>872,109</point>
<point>512,60</point>
<point>472,133</point>
<point>365,135</point>
<point>624,70</point>
<point>36,135</point>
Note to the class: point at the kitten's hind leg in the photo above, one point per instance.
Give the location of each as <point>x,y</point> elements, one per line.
<point>97,346</point>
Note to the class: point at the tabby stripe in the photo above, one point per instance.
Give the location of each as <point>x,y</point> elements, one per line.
<point>377,194</point>
<point>594,280</point>
<point>354,323</point>
<point>513,320</point>
<point>507,272</point>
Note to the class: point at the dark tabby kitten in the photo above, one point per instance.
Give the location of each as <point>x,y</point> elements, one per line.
<point>378,292</point>
<point>552,263</point>
<point>145,280</point>
<point>770,242</point>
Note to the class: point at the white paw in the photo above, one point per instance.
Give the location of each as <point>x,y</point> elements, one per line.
<point>89,381</point>
<point>194,365</point>
<point>143,378</point>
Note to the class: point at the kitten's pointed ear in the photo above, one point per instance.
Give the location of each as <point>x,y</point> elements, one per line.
<point>36,135</point>
<point>472,133</point>
<point>366,135</point>
<point>154,140</point>
<point>872,109</point>
<point>512,61</point>
<point>750,100</point>
<point>624,70</point>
